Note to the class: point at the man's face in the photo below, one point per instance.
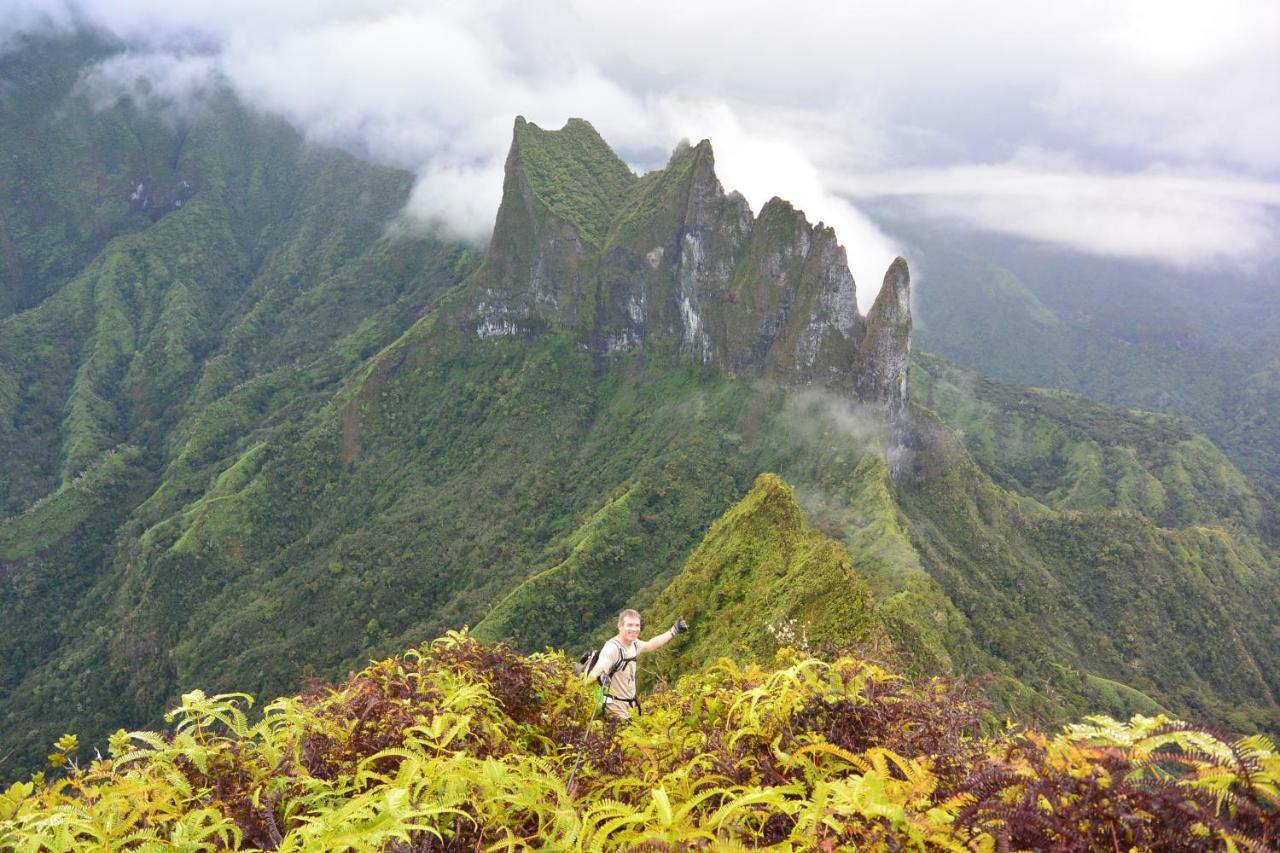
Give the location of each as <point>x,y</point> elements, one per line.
<point>629,629</point>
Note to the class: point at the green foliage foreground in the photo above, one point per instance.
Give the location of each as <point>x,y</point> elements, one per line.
<point>463,746</point>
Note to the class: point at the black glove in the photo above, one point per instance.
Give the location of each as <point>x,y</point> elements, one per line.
<point>680,627</point>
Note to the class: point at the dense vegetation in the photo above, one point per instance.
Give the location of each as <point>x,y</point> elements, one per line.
<point>244,441</point>
<point>762,577</point>
<point>1109,559</point>
<point>462,746</point>
<point>146,337</point>
<point>577,178</point>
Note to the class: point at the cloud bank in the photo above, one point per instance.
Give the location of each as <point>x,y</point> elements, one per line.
<point>1180,219</point>
<point>1135,129</point>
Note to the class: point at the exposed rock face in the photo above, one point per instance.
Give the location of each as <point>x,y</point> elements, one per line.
<point>531,277</point>
<point>886,348</point>
<point>583,243</point>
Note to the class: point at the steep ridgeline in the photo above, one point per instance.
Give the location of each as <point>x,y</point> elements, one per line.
<point>763,578</point>
<point>627,261</point>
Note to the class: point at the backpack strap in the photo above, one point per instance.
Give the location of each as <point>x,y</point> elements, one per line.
<point>623,660</point>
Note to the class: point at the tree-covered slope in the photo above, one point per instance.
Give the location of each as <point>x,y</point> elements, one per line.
<point>512,485</point>
<point>69,176</point>
<point>1071,453</point>
<point>763,578</point>
<point>167,339</point>
<point>306,441</point>
<point>422,496</point>
<point>1109,540</point>
<point>273,252</point>
<point>1198,343</point>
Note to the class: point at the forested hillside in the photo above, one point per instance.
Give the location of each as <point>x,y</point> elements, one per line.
<point>174,291</point>
<point>1196,343</point>
<point>252,432</point>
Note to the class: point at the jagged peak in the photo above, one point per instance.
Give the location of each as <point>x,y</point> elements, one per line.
<point>572,171</point>
<point>886,349</point>
<point>893,302</point>
<point>777,206</point>
<point>770,502</point>
<point>778,209</point>
<point>572,125</point>
<point>698,161</point>
<point>689,174</point>
<point>764,564</point>
<point>583,241</point>
<point>781,226</point>
<point>772,492</point>
<point>685,148</point>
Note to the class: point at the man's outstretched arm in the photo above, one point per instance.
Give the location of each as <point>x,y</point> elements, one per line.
<point>662,639</point>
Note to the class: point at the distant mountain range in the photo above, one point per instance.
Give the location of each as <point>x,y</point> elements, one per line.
<point>1204,344</point>
<point>251,433</point>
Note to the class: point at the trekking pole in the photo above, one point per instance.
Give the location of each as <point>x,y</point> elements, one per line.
<point>586,732</point>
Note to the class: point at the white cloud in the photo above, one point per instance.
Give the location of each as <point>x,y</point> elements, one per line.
<point>761,166</point>
<point>458,200</point>
<point>1187,35</point>
<point>18,17</point>
<point>807,105</point>
<point>1191,82</point>
<point>1155,214</point>
<point>169,82</point>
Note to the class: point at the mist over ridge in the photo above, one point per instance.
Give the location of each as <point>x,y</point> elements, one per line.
<point>1121,113</point>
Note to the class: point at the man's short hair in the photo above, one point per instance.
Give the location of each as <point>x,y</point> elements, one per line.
<point>628,614</point>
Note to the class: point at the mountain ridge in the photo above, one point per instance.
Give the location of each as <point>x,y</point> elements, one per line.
<point>342,466</point>
<point>626,260</point>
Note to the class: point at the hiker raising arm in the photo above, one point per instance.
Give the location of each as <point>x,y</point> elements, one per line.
<point>616,666</point>
<point>654,643</point>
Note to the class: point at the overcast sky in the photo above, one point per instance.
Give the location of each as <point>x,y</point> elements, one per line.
<point>1147,130</point>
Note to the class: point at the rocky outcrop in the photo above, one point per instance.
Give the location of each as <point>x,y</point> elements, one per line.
<point>582,243</point>
<point>885,351</point>
<point>532,277</point>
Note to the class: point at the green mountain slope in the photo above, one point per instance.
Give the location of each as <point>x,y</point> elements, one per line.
<point>272,255</point>
<point>1070,453</point>
<point>762,578</point>
<point>1199,344</point>
<point>190,330</point>
<point>305,441</point>
<point>1119,541</point>
<point>69,177</point>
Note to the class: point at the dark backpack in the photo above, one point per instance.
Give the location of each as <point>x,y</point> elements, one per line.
<point>586,661</point>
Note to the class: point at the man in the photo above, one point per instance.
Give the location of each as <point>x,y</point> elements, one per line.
<point>616,666</point>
